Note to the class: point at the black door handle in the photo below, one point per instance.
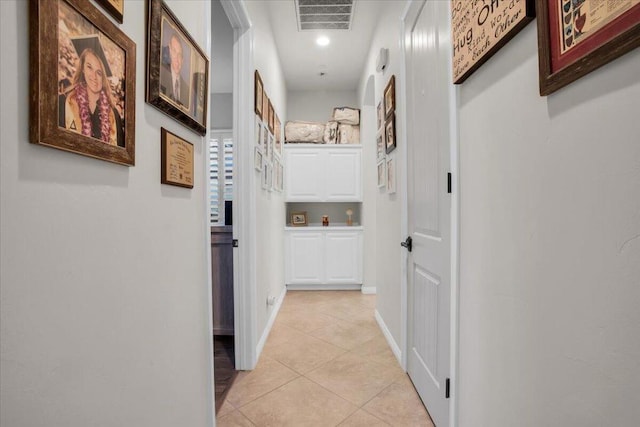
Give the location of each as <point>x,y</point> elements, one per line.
<point>407,243</point>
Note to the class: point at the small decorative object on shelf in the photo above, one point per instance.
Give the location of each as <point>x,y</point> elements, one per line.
<point>325,220</point>
<point>349,219</point>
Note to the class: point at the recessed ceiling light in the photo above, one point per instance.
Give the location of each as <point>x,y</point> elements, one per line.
<point>323,41</point>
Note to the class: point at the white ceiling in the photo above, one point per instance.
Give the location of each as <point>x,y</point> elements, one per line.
<point>342,61</point>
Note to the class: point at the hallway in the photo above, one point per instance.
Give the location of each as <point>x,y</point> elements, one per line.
<point>325,363</point>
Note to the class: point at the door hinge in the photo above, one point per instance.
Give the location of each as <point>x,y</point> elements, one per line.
<point>447,389</point>
<point>234,243</point>
<point>449,183</point>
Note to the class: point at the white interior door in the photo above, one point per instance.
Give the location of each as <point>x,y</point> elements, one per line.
<point>429,207</point>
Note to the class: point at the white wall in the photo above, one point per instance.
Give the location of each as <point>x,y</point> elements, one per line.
<point>381,210</point>
<point>105,314</point>
<point>270,207</point>
<point>550,255</point>
<point>318,105</point>
<point>221,69</point>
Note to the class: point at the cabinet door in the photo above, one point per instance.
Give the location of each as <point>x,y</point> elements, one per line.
<point>343,175</point>
<point>304,175</point>
<point>343,255</point>
<point>305,258</point>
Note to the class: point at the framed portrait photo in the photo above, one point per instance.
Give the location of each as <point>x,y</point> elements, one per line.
<point>114,7</point>
<point>265,106</point>
<point>176,160</point>
<point>177,69</point>
<point>390,97</point>
<point>390,133</point>
<point>258,93</point>
<point>576,37</point>
<point>82,81</point>
<point>299,219</point>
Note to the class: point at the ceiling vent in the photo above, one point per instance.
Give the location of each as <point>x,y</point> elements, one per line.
<point>324,14</point>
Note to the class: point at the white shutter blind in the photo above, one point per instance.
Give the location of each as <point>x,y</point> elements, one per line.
<point>220,174</point>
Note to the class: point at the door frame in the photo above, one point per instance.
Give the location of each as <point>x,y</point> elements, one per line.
<point>244,220</point>
<point>409,16</point>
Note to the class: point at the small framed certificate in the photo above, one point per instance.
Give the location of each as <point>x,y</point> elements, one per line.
<point>177,160</point>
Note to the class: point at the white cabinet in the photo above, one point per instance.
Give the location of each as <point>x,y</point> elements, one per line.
<point>323,256</point>
<point>328,173</point>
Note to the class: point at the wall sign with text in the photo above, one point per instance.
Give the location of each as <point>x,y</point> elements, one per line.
<point>479,28</point>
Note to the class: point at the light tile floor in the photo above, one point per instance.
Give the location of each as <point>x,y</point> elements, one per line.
<point>326,363</point>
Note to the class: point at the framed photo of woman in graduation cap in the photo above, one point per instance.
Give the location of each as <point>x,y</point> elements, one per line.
<point>82,90</point>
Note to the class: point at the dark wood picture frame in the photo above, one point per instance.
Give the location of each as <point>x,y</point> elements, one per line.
<point>169,43</point>
<point>55,105</point>
<point>271,115</point>
<point>390,97</point>
<point>176,160</point>
<point>617,37</point>
<point>258,94</point>
<point>114,7</point>
<point>390,133</point>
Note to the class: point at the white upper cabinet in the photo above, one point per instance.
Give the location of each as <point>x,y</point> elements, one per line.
<point>327,173</point>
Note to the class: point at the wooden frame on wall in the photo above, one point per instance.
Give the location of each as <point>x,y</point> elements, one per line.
<point>569,47</point>
<point>258,94</point>
<point>390,133</point>
<point>114,7</point>
<point>176,160</point>
<point>390,97</point>
<point>172,52</point>
<point>91,57</point>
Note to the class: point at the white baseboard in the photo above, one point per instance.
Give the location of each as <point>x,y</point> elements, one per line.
<point>392,343</point>
<point>272,318</point>
<point>324,287</point>
<point>369,290</point>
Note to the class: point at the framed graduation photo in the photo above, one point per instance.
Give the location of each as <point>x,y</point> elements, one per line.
<point>83,81</point>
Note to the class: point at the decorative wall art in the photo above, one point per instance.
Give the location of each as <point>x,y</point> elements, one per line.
<point>265,106</point>
<point>391,176</point>
<point>380,111</point>
<point>258,131</point>
<point>278,137</point>
<point>257,159</point>
<point>114,7</point>
<point>390,97</point>
<point>382,173</point>
<point>299,219</point>
<point>380,143</point>
<point>258,94</point>
<point>176,160</point>
<point>177,69</point>
<point>576,37</point>
<point>480,28</point>
<point>79,58</point>
<point>390,132</point>
<point>271,121</point>
<point>266,174</point>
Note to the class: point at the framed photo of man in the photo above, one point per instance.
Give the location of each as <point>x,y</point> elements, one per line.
<point>177,69</point>
<point>82,81</point>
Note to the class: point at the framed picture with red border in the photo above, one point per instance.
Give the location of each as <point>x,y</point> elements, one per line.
<point>576,37</point>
